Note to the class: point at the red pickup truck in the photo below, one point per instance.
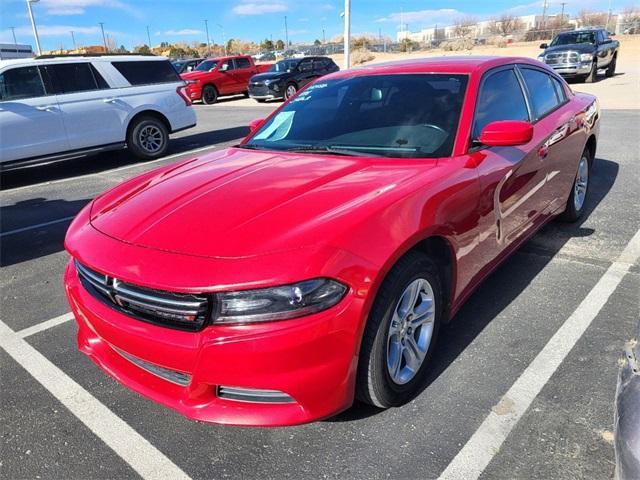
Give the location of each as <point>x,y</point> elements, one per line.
<point>221,76</point>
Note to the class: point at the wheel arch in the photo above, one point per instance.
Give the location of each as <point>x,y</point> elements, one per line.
<point>148,113</point>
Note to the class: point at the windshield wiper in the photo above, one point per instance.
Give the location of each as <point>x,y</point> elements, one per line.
<point>329,150</point>
<point>248,146</point>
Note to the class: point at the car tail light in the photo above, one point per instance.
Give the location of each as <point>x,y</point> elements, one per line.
<point>182,92</point>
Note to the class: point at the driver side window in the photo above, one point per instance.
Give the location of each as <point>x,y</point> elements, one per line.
<point>500,98</point>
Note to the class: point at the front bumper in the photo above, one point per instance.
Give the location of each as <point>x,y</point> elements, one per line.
<point>312,359</point>
<point>266,92</point>
<point>572,69</point>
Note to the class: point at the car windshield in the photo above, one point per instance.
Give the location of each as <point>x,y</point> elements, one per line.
<point>207,65</point>
<point>284,65</point>
<point>574,37</point>
<point>400,115</point>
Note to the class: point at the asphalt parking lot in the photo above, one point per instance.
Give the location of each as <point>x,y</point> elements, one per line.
<point>564,304</point>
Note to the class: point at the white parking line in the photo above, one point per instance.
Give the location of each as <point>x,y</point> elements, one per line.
<point>27,332</point>
<point>106,172</point>
<point>132,447</point>
<point>33,227</point>
<point>485,443</point>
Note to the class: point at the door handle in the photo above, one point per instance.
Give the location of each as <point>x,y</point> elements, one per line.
<point>109,100</point>
<point>46,108</point>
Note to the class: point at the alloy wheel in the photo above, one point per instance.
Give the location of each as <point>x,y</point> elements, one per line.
<point>410,331</point>
<point>580,184</point>
<point>151,138</point>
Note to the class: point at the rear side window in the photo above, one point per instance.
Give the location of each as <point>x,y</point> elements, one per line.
<point>542,91</point>
<point>305,66</point>
<point>76,77</point>
<point>500,98</point>
<point>146,73</point>
<point>243,63</point>
<point>21,83</point>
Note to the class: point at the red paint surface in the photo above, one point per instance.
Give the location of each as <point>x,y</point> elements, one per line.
<point>239,219</point>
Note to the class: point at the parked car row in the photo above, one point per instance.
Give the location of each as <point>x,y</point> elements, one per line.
<point>61,107</point>
<point>186,65</point>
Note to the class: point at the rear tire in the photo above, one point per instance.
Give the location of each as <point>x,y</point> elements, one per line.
<point>579,189</point>
<point>209,95</point>
<point>611,69</point>
<point>396,346</point>
<point>591,77</point>
<point>148,138</point>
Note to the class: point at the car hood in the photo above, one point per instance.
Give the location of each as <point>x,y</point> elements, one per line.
<point>261,77</point>
<point>240,203</point>
<point>576,47</point>
<point>193,75</point>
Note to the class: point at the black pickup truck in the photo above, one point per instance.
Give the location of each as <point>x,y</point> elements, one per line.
<point>581,53</point>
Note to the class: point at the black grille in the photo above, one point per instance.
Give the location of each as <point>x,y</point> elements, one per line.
<point>259,89</point>
<point>177,310</point>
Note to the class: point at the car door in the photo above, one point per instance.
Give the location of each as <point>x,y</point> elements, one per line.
<point>556,127</point>
<point>30,117</point>
<point>305,72</point>
<point>226,81</point>
<point>243,71</point>
<point>91,112</point>
<point>512,178</point>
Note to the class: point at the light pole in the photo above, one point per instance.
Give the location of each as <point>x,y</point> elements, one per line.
<point>104,39</point>
<point>15,42</point>
<point>73,39</point>
<point>33,25</point>
<point>206,27</point>
<point>224,42</point>
<point>347,34</point>
<point>286,34</point>
<point>148,36</point>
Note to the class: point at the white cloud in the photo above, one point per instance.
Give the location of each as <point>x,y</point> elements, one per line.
<point>442,15</point>
<point>79,7</point>
<point>259,7</point>
<point>184,31</point>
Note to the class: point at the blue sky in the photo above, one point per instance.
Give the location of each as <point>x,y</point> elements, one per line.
<point>172,21</point>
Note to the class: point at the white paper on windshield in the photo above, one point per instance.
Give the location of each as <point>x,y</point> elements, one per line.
<point>278,129</point>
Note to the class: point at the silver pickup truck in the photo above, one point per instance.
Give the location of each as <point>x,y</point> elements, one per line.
<point>579,54</point>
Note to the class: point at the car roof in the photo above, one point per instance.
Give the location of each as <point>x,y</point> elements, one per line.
<point>455,64</point>
<point>79,58</point>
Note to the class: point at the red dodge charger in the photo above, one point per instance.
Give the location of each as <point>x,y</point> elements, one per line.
<point>273,282</point>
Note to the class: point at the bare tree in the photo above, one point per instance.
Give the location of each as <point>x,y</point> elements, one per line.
<point>464,26</point>
<point>631,15</point>
<point>592,19</point>
<point>505,24</point>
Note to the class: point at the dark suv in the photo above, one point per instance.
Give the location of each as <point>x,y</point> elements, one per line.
<point>286,77</point>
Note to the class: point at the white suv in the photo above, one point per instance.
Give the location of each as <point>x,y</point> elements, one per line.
<point>68,106</point>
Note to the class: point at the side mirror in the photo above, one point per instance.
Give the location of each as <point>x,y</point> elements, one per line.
<point>255,124</point>
<point>506,133</point>
<point>544,45</point>
<point>224,67</point>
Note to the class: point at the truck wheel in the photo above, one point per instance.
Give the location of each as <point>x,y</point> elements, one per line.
<point>611,69</point>
<point>148,138</point>
<point>592,74</point>
<point>290,91</point>
<point>209,95</point>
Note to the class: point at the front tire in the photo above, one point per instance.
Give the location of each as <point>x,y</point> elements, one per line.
<point>209,95</point>
<point>611,69</point>
<point>401,333</point>
<point>579,190</point>
<point>591,77</point>
<point>148,138</point>
<point>290,91</point>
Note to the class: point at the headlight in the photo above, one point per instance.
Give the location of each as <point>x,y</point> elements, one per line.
<point>191,82</point>
<point>268,82</point>
<point>586,57</point>
<point>278,303</point>
<point>541,58</point>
